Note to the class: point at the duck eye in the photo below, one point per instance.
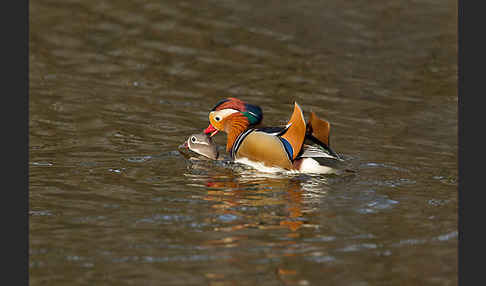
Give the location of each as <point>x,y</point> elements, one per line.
<point>193,139</point>
<point>217,118</point>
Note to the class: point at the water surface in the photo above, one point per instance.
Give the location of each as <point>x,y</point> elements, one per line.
<point>116,87</point>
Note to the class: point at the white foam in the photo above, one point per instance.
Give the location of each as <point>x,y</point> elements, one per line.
<point>308,166</point>
<point>260,166</point>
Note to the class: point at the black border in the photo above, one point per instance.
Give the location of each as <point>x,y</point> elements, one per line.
<point>14,215</point>
<point>15,141</point>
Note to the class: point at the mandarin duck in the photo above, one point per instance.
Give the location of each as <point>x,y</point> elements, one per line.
<point>281,147</point>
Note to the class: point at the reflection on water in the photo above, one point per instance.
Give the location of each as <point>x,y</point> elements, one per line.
<point>115,88</point>
<point>233,199</point>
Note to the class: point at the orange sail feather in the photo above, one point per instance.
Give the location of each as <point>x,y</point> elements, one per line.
<point>295,134</point>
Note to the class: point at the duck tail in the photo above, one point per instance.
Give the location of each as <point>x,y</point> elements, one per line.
<point>296,130</point>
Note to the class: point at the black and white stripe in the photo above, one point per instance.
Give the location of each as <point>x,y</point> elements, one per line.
<point>238,141</point>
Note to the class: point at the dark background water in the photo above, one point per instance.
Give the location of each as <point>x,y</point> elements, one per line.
<point>115,87</point>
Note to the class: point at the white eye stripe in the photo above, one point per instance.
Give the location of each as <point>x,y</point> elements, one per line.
<point>223,113</point>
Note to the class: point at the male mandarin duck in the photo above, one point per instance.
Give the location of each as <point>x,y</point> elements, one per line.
<point>281,147</point>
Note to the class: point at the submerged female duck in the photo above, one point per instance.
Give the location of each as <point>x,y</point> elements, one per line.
<point>274,147</point>
<point>201,144</point>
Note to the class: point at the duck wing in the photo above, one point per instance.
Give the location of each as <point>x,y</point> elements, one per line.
<point>319,155</point>
<point>311,151</point>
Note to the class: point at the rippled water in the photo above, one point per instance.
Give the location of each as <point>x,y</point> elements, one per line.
<point>116,87</point>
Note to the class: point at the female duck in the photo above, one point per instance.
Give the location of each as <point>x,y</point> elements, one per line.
<point>201,144</point>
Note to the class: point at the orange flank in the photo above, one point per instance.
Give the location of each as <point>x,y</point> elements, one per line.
<point>268,149</point>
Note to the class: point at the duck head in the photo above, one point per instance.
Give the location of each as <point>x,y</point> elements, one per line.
<point>253,113</point>
<point>202,144</point>
<point>230,121</point>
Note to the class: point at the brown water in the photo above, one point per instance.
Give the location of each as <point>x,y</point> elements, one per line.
<point>116,86</point>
